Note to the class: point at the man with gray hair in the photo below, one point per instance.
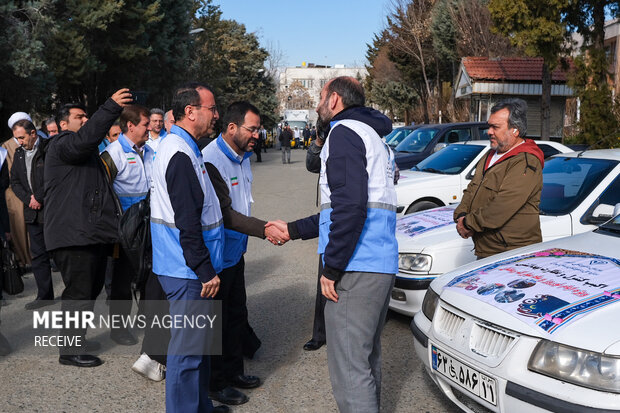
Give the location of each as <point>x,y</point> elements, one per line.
<point>500,207</point>
<point>168,120</point>
<point>157,128</point>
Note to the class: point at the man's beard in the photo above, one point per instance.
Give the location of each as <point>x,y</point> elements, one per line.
<point>323,125</point>
<point>240,143</point>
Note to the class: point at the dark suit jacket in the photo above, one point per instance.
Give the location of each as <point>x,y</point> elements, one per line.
<point>19,181</point>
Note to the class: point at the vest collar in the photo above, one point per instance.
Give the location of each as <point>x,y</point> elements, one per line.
<point>185,135</point>
<point>127,145</point>
<point>230,154</point>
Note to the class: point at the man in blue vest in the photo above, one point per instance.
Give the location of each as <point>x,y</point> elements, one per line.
<point>128,161</point>
<point>356,229</point>
<point>228,156</point>
<point>188,239</point>
<point>157,128</point>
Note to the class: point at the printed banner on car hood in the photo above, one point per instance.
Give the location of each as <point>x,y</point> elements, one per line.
<point>546,289</point>
<point>412,225</point>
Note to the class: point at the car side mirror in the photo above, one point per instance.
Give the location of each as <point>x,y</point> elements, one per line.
<point>604,212</point>
<point>439,147</point>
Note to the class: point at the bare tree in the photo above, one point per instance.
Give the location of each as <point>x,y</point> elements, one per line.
<point>412,29</point>
<point>295,96</point>
<point>473,22</point>
<point>274,61</point>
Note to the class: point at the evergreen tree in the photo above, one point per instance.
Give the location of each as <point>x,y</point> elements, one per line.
<point>597,123</point>
<point>26,83</point>
<point>99,46</point>
<point>536,27</point>
<point>232,61</point>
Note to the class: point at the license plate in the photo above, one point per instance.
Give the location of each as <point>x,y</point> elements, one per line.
<point>468,378</point>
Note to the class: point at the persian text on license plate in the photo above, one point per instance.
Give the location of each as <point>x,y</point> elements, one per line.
<point>468,378</point>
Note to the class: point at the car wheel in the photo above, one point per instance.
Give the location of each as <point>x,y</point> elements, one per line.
<point>421,206</point>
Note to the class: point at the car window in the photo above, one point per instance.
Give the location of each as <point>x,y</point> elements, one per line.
<point>450,160</point>
<point>483,134</point>
<point>396,136</point>
<point>610,197</point>
<point>456,135</point>
<point>548,150</point>
<point>567,181</point>
<point>417,141</point>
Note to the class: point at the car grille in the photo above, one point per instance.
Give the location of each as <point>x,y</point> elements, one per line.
<point>449,323</point>
<point>489,342</point>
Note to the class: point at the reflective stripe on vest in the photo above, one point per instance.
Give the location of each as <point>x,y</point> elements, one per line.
<point>238,178</point>
<point>168,256</point>
<point>377,249</point>
<point>133,179</point>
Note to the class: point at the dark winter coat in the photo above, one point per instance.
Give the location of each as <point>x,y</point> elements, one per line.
<point>19,181</point>
<point>80,208</point>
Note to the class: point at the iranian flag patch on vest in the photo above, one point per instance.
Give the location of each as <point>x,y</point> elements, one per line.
<point>233,181</point>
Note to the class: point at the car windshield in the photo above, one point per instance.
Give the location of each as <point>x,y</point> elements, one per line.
<point>397,136</point>
<point>416,141</point>
<point>568,181</point>
<point>450,160</point>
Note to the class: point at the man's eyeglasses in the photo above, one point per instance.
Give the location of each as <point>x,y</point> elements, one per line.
<point>252,130</point>
<point>213,108</point>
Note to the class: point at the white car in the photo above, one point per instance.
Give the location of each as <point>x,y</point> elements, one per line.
<point>530,330</point>
<point>579,192</point>
<point>441,178</point>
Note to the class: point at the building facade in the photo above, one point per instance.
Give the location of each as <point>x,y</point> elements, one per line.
<point>483,81</point>
<point>300,87</point>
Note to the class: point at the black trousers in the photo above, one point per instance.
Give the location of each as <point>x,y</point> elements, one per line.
<point>257,150</point>
<point>83,273</point>
<point>155,341</point>
<point>234,326</point>
<point>318,328</point>
<point>120,287</point>
<point>41,267</point>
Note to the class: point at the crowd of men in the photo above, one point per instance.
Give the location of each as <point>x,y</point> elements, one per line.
<point>76,176</point>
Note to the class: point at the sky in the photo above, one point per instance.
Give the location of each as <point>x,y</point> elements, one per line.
<point>327,32</point>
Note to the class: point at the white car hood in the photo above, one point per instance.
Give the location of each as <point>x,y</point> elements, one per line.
<point>445,239</point>
<point>416,179</point>
<point>594,330</point>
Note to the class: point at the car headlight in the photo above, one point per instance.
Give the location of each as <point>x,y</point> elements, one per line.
<point>581,367</point>
<point>429,304</point>
<point>415,262</point>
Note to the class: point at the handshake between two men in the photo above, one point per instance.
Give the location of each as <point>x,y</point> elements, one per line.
<point>276,232</point>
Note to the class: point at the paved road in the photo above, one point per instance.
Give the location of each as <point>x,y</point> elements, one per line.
<point>281,284</point>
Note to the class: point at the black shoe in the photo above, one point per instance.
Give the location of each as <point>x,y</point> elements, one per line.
<point>81,360</point>
<point>245,382</point>
<point>5,347</point>
<point>229,395</point>
<point>38,303</point>
<point>123,337</point>
<point>313,345</point>
<point>91,345</point>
